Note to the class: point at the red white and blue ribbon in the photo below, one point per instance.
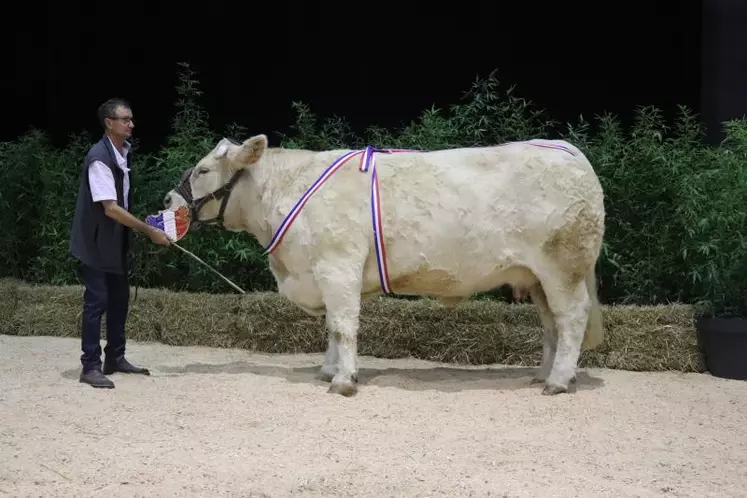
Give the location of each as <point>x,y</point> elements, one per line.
<point>174,223</point>
<point>552,146</point>
<point>378,231</point>
<point>294,212</point>
<point>367,162</point>
<point>546,145</point>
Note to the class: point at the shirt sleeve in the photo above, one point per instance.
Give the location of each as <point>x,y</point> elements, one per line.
<point>101,181</point>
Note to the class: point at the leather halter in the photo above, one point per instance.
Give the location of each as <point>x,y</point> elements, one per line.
<point>195,205</point>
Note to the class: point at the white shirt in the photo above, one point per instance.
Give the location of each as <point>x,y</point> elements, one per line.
<point>101,180</point>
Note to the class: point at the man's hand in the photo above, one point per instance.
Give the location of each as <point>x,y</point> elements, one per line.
<point>159,237</point>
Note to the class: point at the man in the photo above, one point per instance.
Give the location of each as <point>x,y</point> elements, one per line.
<point>100,239</point>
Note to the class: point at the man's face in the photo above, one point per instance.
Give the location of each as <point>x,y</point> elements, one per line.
<point>121,123</point>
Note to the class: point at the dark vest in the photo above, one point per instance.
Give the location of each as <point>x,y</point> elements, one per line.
<point>95,239</point>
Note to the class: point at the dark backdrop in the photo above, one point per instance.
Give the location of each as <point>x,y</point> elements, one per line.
<point>372,66</point>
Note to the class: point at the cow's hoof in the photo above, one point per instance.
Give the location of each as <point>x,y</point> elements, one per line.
<point>327,373</point>
<point>540,380</point>
<point>347,389</point>
<point>552,389</point>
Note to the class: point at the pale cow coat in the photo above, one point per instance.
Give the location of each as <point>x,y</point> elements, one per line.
<point>455,222</point>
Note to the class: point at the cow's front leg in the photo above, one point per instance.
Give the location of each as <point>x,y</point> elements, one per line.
<point>340,285</point>
<point>342,325</point>
<point>329,367</point>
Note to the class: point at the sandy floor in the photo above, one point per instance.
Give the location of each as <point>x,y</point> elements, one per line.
<point>213,422</point>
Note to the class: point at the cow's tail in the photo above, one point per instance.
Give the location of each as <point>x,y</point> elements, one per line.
<point>594,334</point>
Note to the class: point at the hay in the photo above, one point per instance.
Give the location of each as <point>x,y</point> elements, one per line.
<point>653,338</point>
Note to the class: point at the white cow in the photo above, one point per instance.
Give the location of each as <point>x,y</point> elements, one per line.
<point>445,224</point>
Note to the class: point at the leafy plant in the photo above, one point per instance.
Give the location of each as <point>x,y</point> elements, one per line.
<point>675,225</point>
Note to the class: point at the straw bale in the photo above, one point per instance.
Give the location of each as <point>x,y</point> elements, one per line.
<point>642,338</point>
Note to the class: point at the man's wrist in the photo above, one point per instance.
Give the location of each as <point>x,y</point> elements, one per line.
<point>147,230</point>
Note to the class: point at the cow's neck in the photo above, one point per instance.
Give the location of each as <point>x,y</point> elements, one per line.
<point>245,211</point>
<point>264,188</point>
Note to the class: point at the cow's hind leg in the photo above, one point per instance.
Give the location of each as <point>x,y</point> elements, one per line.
<point>340,285</point>
<point>569,301</point>
<point>550,333</point>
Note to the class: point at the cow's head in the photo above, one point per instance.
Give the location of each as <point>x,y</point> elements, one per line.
<point>206,187</point>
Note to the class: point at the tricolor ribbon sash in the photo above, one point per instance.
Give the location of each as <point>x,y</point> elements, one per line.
<point>545,145</point>
<point>368,161</point>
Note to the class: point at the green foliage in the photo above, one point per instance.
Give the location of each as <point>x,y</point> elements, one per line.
<point>675,216</point>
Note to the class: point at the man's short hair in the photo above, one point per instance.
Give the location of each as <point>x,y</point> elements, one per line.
<point>108,108</point>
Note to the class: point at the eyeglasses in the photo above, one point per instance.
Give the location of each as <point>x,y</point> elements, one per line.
<point>125,120</point>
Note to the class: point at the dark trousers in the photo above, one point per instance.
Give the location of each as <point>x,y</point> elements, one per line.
<point>104,293</point>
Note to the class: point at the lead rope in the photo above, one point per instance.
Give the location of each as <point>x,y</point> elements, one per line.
<point>189,253</point>
<point>139,259</point>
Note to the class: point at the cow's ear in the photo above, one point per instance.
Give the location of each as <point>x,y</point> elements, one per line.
<point>221,150</point>
<point>251,150</point>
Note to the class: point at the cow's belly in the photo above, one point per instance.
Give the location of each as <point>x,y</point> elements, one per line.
<point>459,274</point>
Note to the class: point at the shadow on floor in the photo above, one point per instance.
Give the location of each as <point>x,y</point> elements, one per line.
<point>444,379</point>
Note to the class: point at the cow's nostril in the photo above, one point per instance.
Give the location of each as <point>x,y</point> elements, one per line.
<point>167,201</point>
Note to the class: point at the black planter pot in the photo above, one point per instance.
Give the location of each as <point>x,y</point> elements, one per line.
<point>723,341</point>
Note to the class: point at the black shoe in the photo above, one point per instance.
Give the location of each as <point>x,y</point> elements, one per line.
<point>95,378</point>
<point>124,366</point>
